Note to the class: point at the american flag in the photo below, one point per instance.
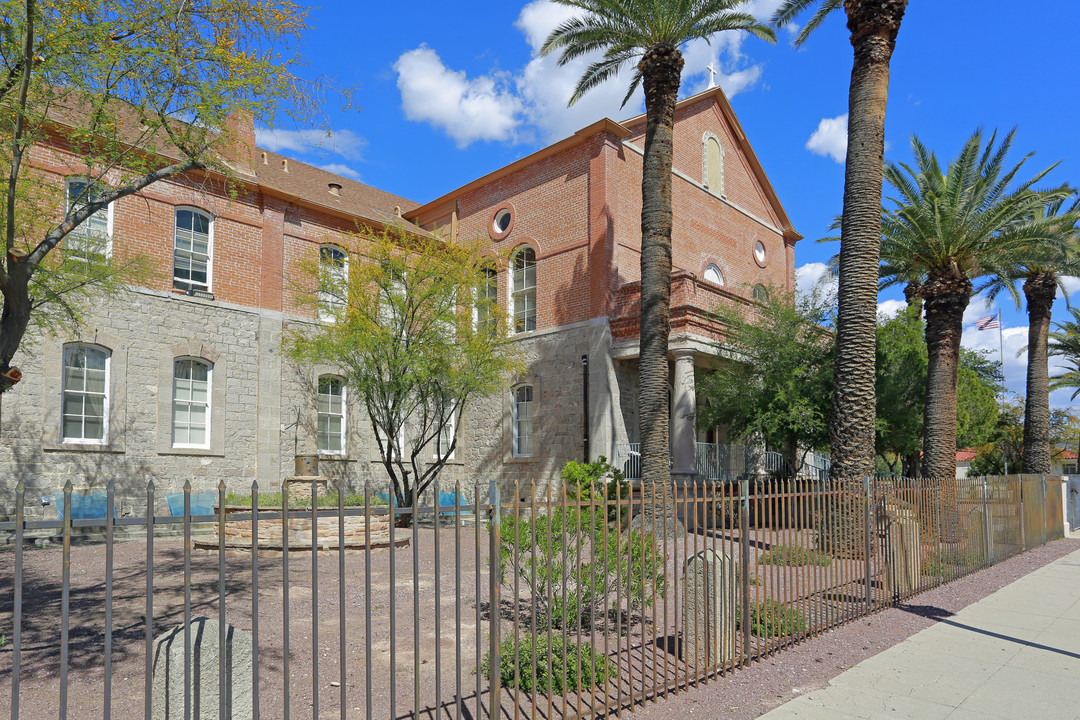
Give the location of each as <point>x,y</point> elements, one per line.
<point>990,322</point>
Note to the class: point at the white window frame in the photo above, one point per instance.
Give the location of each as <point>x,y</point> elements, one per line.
<point>69,351</point>
<point>192,286</point>
<point>525,292</point>
<point>489,282</point>
<point>343,415</point>
<point>515,419</point>
<point>328,305</point>
<point>719,274</point>
<point>209,402</point>
<point>72,240</point>
<point>445,438</point>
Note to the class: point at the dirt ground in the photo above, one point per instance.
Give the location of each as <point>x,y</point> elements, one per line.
<point>429,658</point>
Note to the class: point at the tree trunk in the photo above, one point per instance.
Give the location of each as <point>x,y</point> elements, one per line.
<point>660,68</point>
<point>873,28</point>
<point>16,313</point>
<point>946,297</point>
<point>1039,289</point>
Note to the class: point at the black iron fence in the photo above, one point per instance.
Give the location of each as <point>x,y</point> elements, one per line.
<point>483,603</point>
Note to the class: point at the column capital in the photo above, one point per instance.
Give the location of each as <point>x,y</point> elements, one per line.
<point>683,353</point>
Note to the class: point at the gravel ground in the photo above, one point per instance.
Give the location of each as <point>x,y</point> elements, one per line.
<point>753,691</point>
<point>744,694</point>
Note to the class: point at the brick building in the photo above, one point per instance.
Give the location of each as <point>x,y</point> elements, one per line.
<point>183,378</point>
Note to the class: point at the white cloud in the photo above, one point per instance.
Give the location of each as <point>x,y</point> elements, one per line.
<point>830,138</point>
<point>518,106</point>
<point>1072,286</point>
<point>889,308</point>
<point>1013,343</point>
<point>345,143</point>
<point>814,274</point>
<point>978,308</point>
<point>467,109</point>
<point>339,169</point>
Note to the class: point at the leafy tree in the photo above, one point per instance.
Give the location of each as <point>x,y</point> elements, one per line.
<point>648,34</point>
<point>901,389</point>
<point>1041,269</point>
<point>414,339</point>
<point>132,92</point>
<point>1005,449</point>
<point>777,388</point>
<point>946,228</point>
<point>874,25</point>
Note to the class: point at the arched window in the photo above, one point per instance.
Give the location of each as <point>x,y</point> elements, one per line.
<point>333,281</point>
<point>331,420</point>
<point>522,418</point>
<point>523,289</point>
<point>761,294</point>
<point>191,403</point>
<point>713,162</point>
<point>714,275</point>
<point>85,395</point>
<point>487,292</point>
<point>93,236</point>
<point>192,250</point>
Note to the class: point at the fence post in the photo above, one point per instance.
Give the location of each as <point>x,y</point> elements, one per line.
<point>1042,505</point>
<point>1023,523</point>
<point>866,543</point>
<point>744,554</point>
<point>987,532</point>
<point>493,577</point>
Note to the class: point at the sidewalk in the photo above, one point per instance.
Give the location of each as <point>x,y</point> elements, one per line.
<point>1014,654</point>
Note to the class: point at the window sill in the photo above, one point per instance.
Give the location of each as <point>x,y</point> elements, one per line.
<point>83,447</point>
<point>335,457</point>
<point>206,452</point>
<point>522,460</point>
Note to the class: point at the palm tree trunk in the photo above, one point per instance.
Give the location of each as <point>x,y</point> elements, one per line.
<point>660,68</point>
<point>873,27</point>
<point>944,326</point>
<point>1039,289</point>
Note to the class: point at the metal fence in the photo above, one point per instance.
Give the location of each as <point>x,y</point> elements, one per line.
<point>490,603</point>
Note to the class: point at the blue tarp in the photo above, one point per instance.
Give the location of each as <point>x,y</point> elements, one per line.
<point>84,507</point>
<point>201,503</point>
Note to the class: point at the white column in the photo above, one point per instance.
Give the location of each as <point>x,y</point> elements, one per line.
<point>683,410</point>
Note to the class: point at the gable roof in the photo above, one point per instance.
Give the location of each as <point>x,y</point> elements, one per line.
<point>622,130</point>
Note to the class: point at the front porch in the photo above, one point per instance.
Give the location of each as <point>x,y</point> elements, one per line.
<point>718,462</point>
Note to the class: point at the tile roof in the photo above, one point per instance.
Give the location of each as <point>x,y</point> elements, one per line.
<point>966,454</point>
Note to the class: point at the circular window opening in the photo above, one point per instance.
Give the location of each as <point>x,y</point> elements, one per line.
<point>714,276</point>
<point>502,221</point>
<point>760,293</point>
<point>759,253</point>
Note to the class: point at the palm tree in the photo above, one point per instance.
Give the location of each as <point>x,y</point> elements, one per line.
<point>874,25</point>
<point>648,34</point>
<point>948,228</point>
<point>1065,342</point>
<point>1041,268</point>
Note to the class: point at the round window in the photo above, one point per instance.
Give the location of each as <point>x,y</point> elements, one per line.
<point>502,221</point>
<point>759,253</point>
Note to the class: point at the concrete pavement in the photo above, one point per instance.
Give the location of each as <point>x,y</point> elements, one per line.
<point>1015,654</point>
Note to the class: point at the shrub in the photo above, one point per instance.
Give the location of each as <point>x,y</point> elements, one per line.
<point>594,481</point>
<point>794,555</point>
<point>533,656</point>
<point>563,551</point>
<point>943,562</point>
<point>772,618</point>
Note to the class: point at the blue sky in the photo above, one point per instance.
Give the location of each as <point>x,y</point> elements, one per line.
<point>450,91</point>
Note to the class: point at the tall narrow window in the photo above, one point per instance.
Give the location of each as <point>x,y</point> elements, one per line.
<point>86,395</point>
<point>487,292</point>
<point>522,412</point>
<point>331,430</point>
<point>333,278</point>
<point>523,289</point>
<point>192,250</point>
<point>93,236</point>
<point>446,438</point>
<point>191,403</point>
<point>714,164</point>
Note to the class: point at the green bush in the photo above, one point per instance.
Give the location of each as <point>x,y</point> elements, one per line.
<point>944,562</point>
<point>794,555</point>
<point>585,668</point>
<point>594,481</point>
<point>772,618</point>
<point>561,552</point>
